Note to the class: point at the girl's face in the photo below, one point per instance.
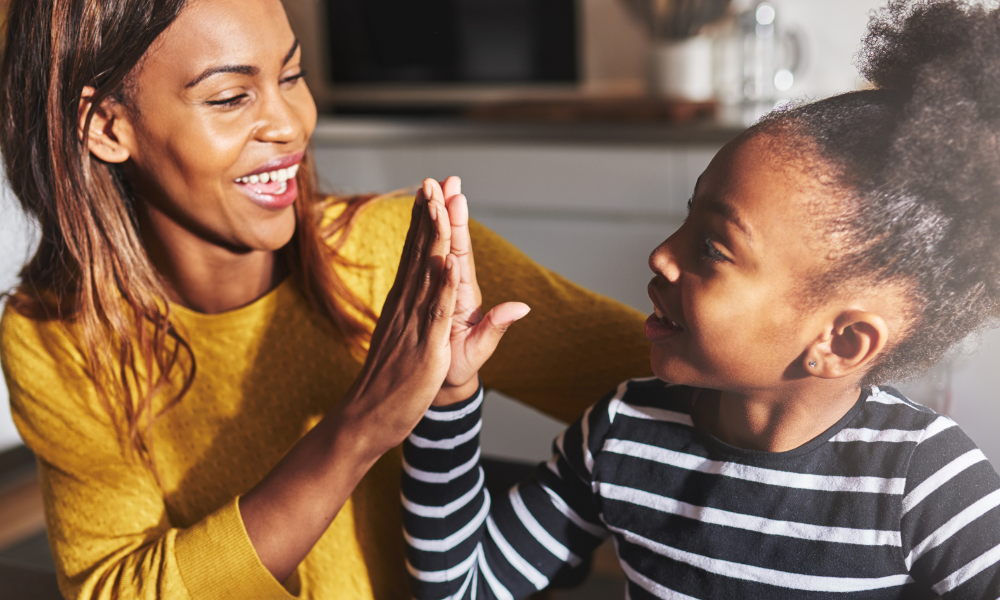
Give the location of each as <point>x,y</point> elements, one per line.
<point>728,284</point>
<point>223,118</point>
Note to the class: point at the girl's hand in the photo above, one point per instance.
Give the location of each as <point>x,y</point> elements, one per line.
<point>410,352</point>
<point>473,336</point>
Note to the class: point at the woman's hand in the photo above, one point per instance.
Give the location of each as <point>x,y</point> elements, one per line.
<point>473,336</point>
<point>409,357</point>
<point>410,351</point>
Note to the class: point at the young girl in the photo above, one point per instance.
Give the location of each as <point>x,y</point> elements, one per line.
<point>834,246</point>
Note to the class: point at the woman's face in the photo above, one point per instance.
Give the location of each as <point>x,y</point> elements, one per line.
<point>222,119</point>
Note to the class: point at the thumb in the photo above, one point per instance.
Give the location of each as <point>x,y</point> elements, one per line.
<point>485,336</point>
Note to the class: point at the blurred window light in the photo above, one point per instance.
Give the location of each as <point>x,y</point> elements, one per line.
<point>765,14</point>
<point>783,80</point>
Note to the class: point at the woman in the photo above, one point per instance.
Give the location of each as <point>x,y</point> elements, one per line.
<point>187,353</point>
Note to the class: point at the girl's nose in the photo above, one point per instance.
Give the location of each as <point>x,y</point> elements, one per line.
<point>663,261</point>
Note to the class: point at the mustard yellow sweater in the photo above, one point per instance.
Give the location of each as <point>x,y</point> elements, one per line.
<point>268,372</point>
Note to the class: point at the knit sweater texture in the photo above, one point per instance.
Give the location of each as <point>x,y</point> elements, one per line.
<point>266,374</point>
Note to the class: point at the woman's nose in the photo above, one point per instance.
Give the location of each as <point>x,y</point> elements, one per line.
<point>279,121</point>
<point>663,261</point>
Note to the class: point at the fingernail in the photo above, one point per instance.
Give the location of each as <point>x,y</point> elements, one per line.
<point>434,212</point>
<point>428,191</point>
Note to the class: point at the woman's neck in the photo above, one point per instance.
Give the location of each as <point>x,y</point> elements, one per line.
<point>206,276</point>
<point>775,421</point>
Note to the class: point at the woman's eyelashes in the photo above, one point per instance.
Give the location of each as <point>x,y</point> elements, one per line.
<point>237,100</point>
<point>293,79</point>
<point>231,102</point>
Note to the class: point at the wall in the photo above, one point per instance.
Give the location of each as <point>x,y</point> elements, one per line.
<point>16,236</point>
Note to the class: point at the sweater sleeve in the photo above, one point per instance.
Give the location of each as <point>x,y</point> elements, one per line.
<point>951,516</point>
<point>108,523</point>
<point>461,543</point>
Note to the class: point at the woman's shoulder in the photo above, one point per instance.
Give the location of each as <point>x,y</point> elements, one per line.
<point>26,340</point>
<point>375,231</point>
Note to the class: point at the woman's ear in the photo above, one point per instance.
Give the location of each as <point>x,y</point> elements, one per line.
<point>109,137</point>
<point>849,346</point>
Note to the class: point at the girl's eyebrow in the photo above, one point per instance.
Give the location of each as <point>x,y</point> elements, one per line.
<point>249,70</point>
<point>728,212</point>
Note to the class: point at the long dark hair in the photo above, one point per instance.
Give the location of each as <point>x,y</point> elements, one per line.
<point>91,270</point>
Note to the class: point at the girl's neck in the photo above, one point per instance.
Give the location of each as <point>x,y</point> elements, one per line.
<point>774,421</point>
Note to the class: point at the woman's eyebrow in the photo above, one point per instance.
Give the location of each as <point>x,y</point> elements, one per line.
<point>249,70</point>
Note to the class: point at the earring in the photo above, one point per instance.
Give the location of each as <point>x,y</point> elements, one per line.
<point>812,363</point>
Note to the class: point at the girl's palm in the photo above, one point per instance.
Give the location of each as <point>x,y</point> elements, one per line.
<point>473,336</point>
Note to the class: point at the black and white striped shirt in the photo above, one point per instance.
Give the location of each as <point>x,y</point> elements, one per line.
<point>893,501</point>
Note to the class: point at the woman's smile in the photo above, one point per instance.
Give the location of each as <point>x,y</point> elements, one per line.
<point>272,185</point>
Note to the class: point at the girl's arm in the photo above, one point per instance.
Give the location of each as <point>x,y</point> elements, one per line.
<point>462,543</point>
<point>950,520</point>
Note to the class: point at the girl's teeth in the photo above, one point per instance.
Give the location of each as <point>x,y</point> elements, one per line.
<point>279,175</point>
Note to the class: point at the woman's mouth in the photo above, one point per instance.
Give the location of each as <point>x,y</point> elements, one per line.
<point>274,189</point>
<point>659,326</point>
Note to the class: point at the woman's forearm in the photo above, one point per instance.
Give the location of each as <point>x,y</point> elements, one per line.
<point>287,512</point>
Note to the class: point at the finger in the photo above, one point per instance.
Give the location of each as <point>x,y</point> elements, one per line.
<point>416,266</point>
<point>395,292</point>
<point>452,186</point>
<point>487,333</point>
<point>441,309</point>
<point>461,246</point>
<point>439,243</point>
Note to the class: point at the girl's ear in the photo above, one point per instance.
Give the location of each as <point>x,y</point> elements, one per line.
<point>110,135</point>
<point>848,347</point>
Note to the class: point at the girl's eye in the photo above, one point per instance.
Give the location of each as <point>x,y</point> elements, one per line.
<point>690,202</point>
<point>231,102</point>
<point>710,252</point>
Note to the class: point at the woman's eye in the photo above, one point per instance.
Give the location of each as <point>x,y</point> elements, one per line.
<point>292,79</point>
<point>710,252</point>
<point>230,102</point>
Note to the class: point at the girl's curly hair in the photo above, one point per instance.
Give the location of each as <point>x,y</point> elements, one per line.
<point>919,158</point>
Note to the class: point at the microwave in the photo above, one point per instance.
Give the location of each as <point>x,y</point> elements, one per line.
<point>401,55</point>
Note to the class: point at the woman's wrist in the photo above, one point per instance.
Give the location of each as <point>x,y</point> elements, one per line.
<point>453,394</point>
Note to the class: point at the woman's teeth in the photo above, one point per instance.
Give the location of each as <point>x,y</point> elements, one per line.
<point>280,176</point>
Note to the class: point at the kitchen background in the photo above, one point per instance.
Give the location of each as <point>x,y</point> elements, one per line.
<point>589,192</point>
<point>586,198</point>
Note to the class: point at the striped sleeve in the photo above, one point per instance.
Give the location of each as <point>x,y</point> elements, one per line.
<point>461,543</point>
<point>950,521</point>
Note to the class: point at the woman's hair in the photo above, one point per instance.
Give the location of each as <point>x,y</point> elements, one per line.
<point>91,270</point>
<point>918,158</point>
